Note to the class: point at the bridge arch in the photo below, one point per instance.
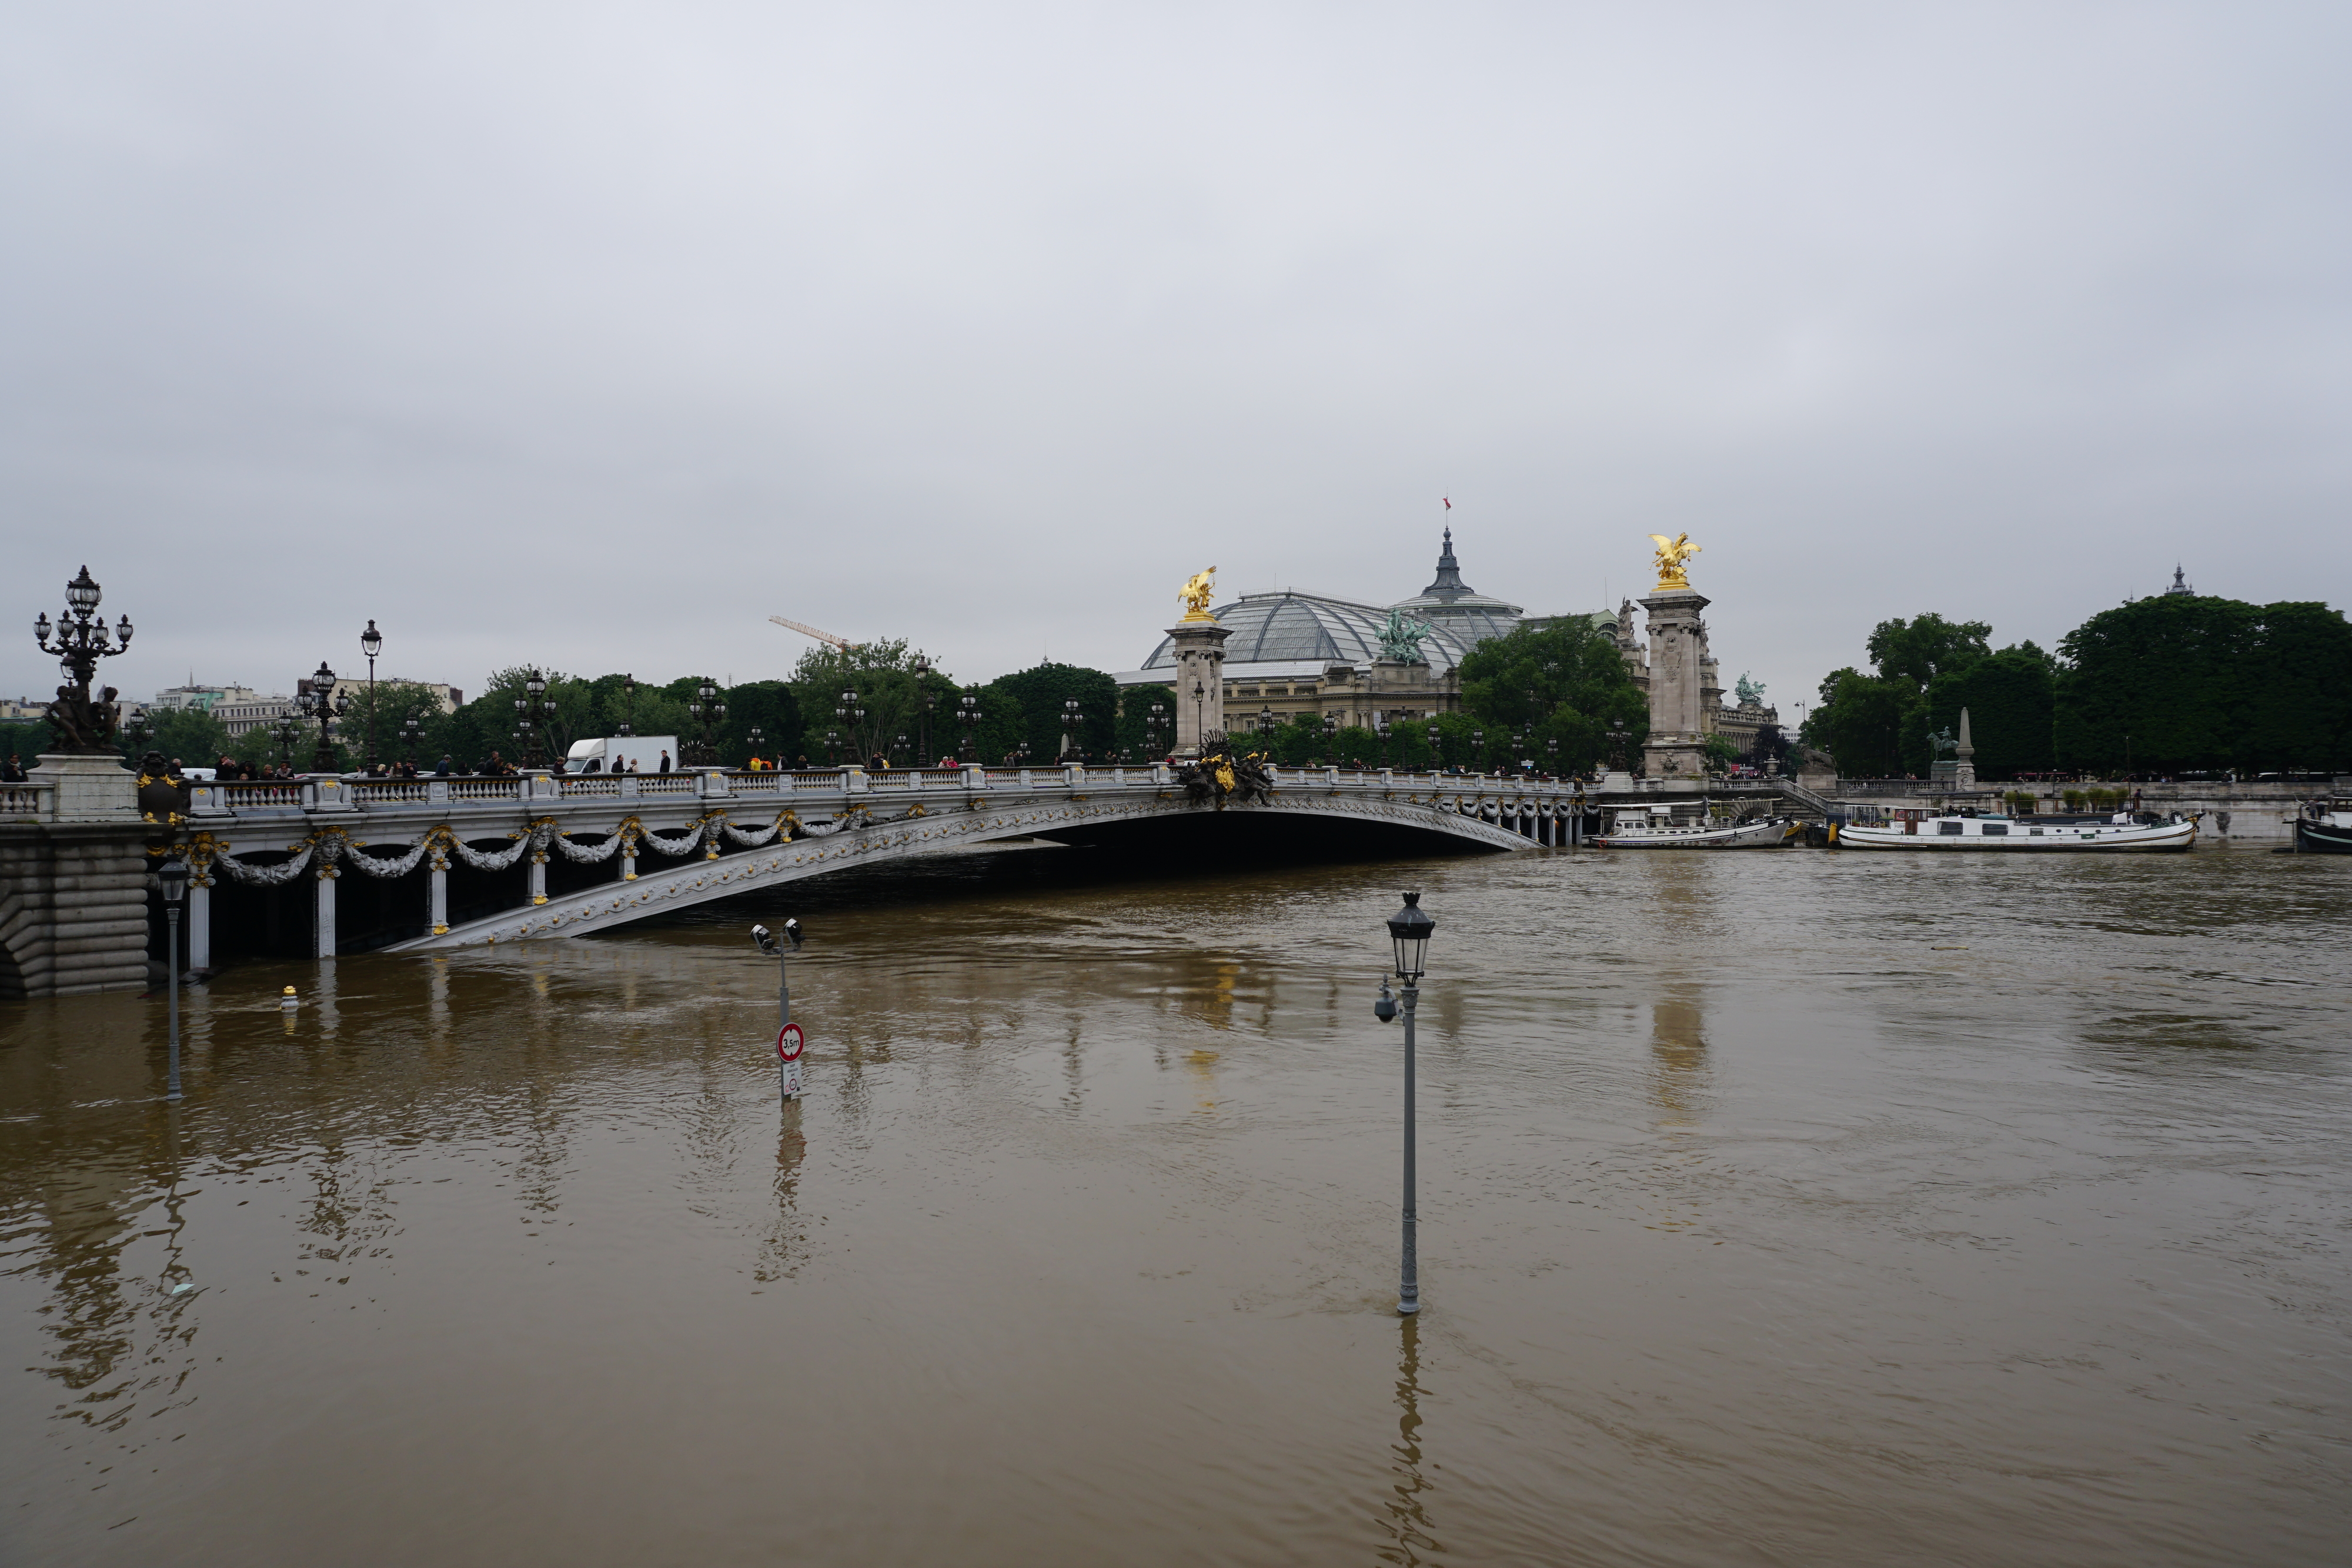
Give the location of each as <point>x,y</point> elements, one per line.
<point>865,837</point>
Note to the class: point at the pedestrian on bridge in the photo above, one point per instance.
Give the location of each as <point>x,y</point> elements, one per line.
<point>665,762</point>
<point>442,768</point>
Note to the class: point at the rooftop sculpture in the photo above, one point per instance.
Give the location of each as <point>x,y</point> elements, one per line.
<point>1671,554</point>
<point>1401,639</point>
<point>1197,591</point>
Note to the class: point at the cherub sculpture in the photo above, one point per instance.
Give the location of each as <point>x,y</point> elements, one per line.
<point>1197,591</point>
<point>1671,554</point>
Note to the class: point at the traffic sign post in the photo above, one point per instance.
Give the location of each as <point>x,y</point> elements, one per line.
<point>789,1045</point>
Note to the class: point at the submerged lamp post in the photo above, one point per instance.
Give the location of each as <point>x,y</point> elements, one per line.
<point>1409,930</point>
<point>788,1037</point>
<point>173,876</point>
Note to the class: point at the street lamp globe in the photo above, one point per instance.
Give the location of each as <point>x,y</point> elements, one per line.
<point>82,591</point>
<point>535,683</point>
<point>173,876</point>
<point>371,640</point>
<point>1408,930</point>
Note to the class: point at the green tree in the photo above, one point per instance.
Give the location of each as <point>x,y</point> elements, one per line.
<point>1567,681</point>
<point>394,703</point>
<point>1041,691</point>
<point>1859,723</point>
<point>771,708</point>
<point>1915,652</point>
<point>2010,698</point>
<point>2192,682</point>
<point>888,689</point>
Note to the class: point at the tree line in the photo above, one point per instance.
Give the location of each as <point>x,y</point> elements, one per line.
<point>2173,683</point>
<point>1540,694</point>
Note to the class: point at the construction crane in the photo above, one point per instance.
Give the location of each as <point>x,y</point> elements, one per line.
<point>843,643</point>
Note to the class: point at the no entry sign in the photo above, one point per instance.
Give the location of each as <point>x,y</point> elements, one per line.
<point>788,1043</point>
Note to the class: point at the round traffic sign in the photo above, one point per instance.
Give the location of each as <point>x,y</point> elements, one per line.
<point>789,1042</point>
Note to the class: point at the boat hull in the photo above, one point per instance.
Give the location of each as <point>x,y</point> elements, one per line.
<point>2322,839</point>
<point>1747,836</point>
<point>2164,837</point>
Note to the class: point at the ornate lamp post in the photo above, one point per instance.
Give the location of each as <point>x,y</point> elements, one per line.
<point>901,744</point>
<point>533,715</point>
<point>758,737</point>
<point>969,716</point>
<point>173,876</point>
<point>1265,721</point>
<point>707,708</point>
<point>1551,757</point>
<point>1478,749</point>
<point>286,732</point>
<point>1155,729</point>
<point>849,714</point>
<point>923,668</point>
<point>628,705</point>
<point>137,731</point>
<point>833,746</point>
<point>1617,736</point>
<point>84,724</point>
<point>321,703</point>
<point>1409,932</point>
<point>1070,716</point>
<point>1200,713</point>
<point>1436,758</point>
<point>410,729</point>
<point>371,644</point>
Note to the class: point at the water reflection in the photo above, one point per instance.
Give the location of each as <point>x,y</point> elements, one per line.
<point>1678,1075</point>
<point>1405,1519</point>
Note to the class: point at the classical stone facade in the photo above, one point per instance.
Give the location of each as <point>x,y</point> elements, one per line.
<point>1679,666</point>
<point>1200,684</point>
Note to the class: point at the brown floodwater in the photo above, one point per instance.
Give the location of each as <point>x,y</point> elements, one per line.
<point>1778,1207</point>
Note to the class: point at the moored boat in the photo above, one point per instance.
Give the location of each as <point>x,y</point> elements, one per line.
<point>2324,827</point>
<point>1641,829</point>
<point>2019,835</point>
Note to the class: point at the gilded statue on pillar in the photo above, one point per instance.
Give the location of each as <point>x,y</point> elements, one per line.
<point>1671,554</point>
<point>1197,591</point>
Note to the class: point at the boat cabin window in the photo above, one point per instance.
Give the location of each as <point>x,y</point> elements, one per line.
<point>1951,829</point>
<point>1995,830</point>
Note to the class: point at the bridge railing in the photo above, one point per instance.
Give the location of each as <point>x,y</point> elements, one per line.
<point>29,802</point>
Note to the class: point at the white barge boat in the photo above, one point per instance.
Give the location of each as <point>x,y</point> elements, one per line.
<point>1642,830</point>
<point>2018,835</point>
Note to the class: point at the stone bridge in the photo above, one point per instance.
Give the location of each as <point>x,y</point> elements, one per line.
<point>323,864</point>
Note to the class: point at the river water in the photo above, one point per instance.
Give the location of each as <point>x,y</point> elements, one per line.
<point>1779,1208</point>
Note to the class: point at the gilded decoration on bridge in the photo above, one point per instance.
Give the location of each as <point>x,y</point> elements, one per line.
<point>1198,589</point>
<point>1221,774</point>
<point>1671,554</point>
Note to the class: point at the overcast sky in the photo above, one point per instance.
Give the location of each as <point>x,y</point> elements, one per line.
<point>593,335</point>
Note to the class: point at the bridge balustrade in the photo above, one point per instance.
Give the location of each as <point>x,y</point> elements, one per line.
<point>26,800</point>
<point>484,790</point>
<point>383,794</point>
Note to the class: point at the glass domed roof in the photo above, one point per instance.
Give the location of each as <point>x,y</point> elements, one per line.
<point>1451,605</point>
<point>1302,629</point>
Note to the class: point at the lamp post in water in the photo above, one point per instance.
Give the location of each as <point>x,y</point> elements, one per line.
<point>788,1037</point>
<point>1409,930</point>
<point>173,874</point>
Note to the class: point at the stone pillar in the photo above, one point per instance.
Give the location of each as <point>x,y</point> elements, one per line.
<point>1678,660</point>
<point>436,894</point>
<point>326,912</point>
<point>1964,768</point>
<point>538,876</point>
<point>1200,664</point>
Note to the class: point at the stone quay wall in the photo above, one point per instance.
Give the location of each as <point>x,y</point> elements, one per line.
<point>73,908</point>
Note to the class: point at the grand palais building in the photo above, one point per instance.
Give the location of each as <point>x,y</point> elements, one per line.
<point>1289,654</point>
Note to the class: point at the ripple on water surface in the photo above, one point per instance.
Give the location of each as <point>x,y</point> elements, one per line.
<point>1777,1207</point>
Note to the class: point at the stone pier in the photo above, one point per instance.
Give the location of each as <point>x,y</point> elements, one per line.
<point>1200,687</point>
<point>73,879</point>
<point>1676,746</point>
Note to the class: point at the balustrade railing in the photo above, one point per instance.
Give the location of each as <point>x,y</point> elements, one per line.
<point>486,789</point>
<point>666,784</point>
<point>248,795</point>
<point>18,802</point>
<point>367,794</point>
<point>570,788</point>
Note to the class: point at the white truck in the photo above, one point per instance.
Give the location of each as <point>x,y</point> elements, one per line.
<point>644,753</point>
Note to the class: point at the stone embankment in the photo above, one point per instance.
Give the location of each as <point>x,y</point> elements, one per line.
<point>73,893</point>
